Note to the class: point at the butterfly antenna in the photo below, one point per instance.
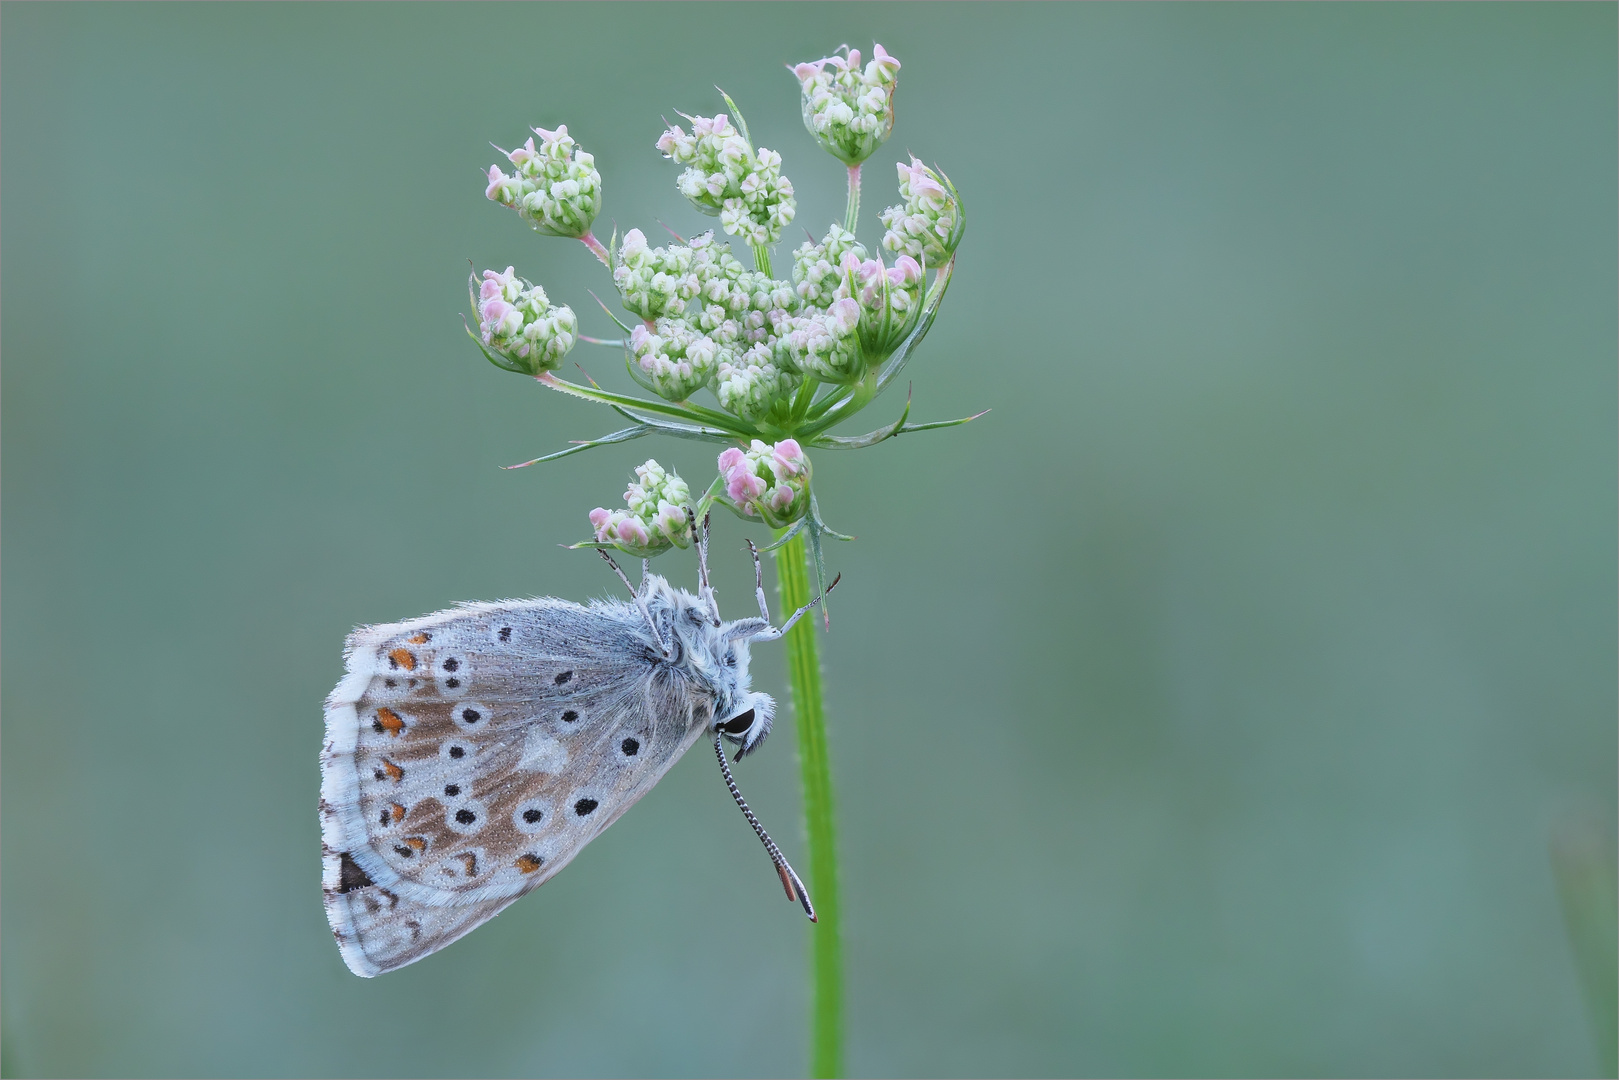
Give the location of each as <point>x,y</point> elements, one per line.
<point>640,601</point>
<point>789,879</point>
<point>772,633</point>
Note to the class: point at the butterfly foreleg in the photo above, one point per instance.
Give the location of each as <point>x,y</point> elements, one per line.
<point>759,583</point>
<point>704,589</point>
<point>770,633</point>
<point>640,601</point>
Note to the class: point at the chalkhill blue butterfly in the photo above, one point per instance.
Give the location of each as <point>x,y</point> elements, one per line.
<point>472,753</point>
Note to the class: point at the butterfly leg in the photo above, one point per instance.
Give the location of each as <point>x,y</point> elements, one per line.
<point>640,601</point>
<point>704,589</point>
<point>784,870</point>
<point>759,583</point>
<point>772,634</point>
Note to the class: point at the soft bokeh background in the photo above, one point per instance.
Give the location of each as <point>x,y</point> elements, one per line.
<point>1208,707</point>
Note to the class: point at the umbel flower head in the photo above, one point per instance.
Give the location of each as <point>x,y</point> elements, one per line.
<point>849,110</point>
<point>930,223</point>
<point>724,177</point>
<point>517,322</point>
<point>770,482</point>
<point>653,281</point>
<point>656,519</point>
<point>890,300</point>
<point>554,187</point>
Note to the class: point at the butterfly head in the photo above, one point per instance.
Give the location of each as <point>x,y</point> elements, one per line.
<point>748,728</point>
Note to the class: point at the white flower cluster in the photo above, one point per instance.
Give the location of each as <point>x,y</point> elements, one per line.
<point>656,518</point>
<point>518,321</point>
<point>554,187</point>
<point>725,177</point>
<point>771,482</point>
<point>849,110</point>
<point>929,226</point>
<point>675,359</point>
<point>653,281</point>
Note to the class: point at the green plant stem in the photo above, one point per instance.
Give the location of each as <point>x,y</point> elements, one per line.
<point>852,215</point>
<point>804,669</point>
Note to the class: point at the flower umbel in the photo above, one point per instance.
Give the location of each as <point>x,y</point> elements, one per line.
<point>930,223</point>
<point>554,187</point>
<point>517,321</point>
<point>656,519</point>
<point>770,482</point>
<point>849,109</point>
<point>726,178</point>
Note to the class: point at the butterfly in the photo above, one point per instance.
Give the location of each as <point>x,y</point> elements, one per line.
<point>472,753</point>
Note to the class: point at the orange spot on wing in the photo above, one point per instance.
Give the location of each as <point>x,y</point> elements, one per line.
<point>397,812</point>
<point>416,843</point>
<point>471,862</point>
<point>395,773</point>
<point>390,722</point>
<point>419,639</point>
<point>528,863</point>
<point>403,658</point>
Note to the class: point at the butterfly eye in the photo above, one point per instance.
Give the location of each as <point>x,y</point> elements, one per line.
<point>738,724</point>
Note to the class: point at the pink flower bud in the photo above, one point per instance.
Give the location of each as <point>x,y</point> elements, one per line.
<point>881,58</point>
<point>845,314</point>
<point>781,498</point>
<point>730,459</point>
<point>789,457</point>
<point>496,179</point>
<point>601,519</point>
<point>523,153</point>
<point>854,60</point>
<point>551,136</point>
<point>631,531</point>
<point>743,486</point>
<point>807,70</point>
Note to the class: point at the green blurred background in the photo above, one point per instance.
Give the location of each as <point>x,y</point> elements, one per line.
<point>1208,707</point>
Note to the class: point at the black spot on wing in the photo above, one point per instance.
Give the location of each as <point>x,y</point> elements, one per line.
<point>350,876</point>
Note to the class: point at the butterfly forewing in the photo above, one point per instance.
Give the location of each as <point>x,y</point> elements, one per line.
<point>471,754</point>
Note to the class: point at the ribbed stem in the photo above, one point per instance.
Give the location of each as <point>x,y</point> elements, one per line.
<point>852,215</point>
<point>804,669</point>
<point>761,260</point>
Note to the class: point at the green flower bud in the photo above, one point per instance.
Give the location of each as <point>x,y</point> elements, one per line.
<point>656,519</point>
<point>554,187</point>
<point>931,223</point>
<point>516,320</point>
<point>849,110</point>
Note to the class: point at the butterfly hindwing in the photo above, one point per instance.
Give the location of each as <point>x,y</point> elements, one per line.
<point>471,754</point>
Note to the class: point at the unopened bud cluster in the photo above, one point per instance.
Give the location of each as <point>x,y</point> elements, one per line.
<point>786,358</point>
<point>516,320</point>
<point>929,225</point>
<point>724,177</point>
<point>554,187</point>
<point>849,109</point>
<point>656,518</point>
<point>768,482</point>
<point>751,339</point>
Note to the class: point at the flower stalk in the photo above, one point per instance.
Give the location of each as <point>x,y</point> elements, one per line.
<point>815,767</point>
